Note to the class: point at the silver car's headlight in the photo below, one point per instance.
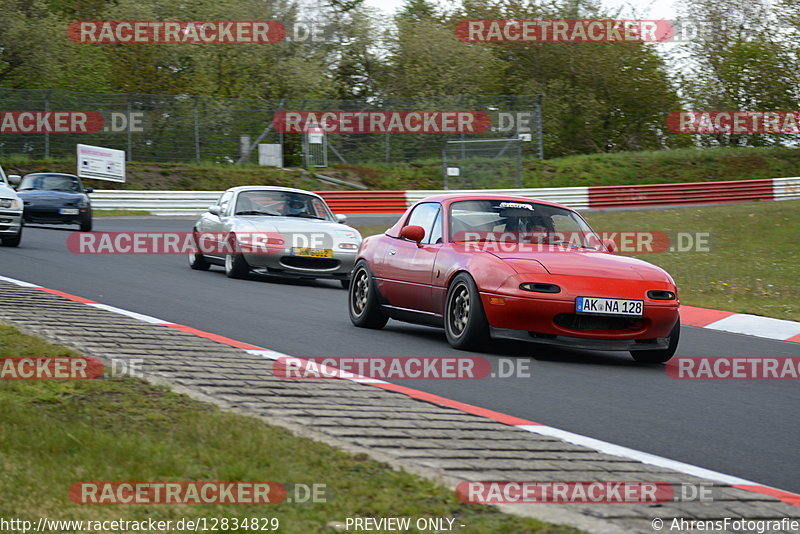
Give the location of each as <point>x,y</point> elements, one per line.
<point>10,203</point>
<point>348,246</point>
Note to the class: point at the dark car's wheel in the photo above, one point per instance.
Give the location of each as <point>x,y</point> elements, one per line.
<point>196,260</point>
<point>235,264</point>
<point>13,241</point>
<point>363,305</point>
<point>86,221</point>
<point>662,355</point>
<point>464,319</point>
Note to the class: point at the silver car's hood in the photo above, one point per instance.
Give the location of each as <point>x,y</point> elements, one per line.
<point>261,223</point>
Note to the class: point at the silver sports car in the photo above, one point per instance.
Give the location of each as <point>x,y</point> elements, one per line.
<point>275,230</point>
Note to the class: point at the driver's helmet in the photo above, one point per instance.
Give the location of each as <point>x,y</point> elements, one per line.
<point>296,206</point>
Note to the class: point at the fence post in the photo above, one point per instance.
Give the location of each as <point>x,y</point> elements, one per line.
<point>196,130</point>
<point>539,127</point>
<point>129,110</point>
<point>47,134</point>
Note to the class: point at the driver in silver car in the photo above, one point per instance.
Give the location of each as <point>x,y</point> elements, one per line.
<point>296,206</point>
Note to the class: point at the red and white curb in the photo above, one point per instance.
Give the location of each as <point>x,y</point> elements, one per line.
<point>741,323</point>
<point>517,422</point>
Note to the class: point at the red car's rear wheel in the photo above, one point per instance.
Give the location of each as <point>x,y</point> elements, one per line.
<point>363,305</point>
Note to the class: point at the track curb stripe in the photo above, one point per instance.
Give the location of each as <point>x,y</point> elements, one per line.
<point>741,323</point>
<point>522,424</point>
<point>468,408</point>
<point>213,337</point>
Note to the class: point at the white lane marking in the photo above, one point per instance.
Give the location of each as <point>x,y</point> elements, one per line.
<point>264,353</point>
<point>754,325</point>
<point>133,315</point>
<point>18,282</point>
<point>633,454</point>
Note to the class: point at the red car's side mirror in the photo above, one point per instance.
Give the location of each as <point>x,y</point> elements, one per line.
<point>413,233</point>
<point>610,245</point>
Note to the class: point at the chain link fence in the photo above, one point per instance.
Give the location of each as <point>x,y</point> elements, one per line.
<point>179,128</point>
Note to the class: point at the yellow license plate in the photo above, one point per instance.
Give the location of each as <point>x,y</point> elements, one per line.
<point>313,252</point>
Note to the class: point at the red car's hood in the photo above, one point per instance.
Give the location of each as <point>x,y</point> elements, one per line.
<point>583,263</point>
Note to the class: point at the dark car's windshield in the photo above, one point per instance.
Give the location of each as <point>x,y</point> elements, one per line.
<point>521,221</point>
<point>283,203</point>
<point>49,182</point>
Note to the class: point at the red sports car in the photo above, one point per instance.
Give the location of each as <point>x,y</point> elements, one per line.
<point>488,265</point>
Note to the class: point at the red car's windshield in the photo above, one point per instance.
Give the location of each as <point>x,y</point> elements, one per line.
<point>520,221</point>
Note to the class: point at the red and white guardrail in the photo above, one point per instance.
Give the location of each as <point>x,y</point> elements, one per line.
<point>614,196</point>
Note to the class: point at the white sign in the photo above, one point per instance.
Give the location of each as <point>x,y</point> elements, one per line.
<point>270,155</point>
<point>101,163</point>
<point>316,136</point>
<point>525,137</point>
<point>453,171</point>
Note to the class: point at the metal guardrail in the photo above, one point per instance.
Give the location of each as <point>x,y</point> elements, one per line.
<point>196,202</point>
<point>574,197</point>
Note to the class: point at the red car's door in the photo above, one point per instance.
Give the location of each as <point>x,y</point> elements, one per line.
<point>407,270</point>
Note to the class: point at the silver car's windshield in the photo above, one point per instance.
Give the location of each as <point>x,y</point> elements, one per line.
<point>281,203</point>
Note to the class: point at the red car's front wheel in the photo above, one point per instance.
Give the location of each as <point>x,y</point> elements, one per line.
<point>465,321</point>
<point>661,355</point>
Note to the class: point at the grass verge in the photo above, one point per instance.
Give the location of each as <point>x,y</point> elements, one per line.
<point>56,433</point>
<point>752,263</point>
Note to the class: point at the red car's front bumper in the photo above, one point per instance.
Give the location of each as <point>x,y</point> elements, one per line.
<point>548,316</point>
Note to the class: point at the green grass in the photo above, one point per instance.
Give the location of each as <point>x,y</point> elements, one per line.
<point>664,166</point>
<point>752,262</point>
<point>56,433</point>
<point>752,265</point>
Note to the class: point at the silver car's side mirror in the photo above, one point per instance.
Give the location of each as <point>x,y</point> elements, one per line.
<point>341,218</point>
<point>213,210</point>
<point>14,179</point>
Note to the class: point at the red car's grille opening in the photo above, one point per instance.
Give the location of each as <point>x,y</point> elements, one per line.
<point>302,262</point>
<point>590,322</point>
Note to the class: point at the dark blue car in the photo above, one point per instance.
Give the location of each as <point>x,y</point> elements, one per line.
<point>55,198</point>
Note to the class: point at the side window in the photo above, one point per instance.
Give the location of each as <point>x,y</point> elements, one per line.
<point>224,200</point>
<point>424,215</point>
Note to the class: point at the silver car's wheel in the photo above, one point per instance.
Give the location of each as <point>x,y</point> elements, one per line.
<point>465,321</point>
<point>363,305</point>
<point>236,266</point>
